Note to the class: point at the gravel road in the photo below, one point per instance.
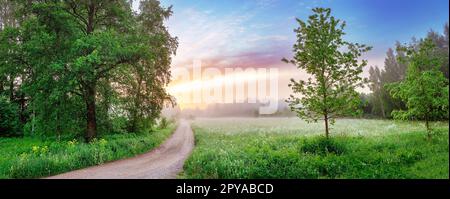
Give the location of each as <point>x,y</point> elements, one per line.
<point>164,162</point>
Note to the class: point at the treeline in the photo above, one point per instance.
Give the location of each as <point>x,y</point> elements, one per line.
<point>381,103</point>
<point>244,109</point>
<point>82,67</point>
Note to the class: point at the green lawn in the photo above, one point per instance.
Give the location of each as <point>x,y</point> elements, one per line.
<point>35,157</point>
<point>291,148</point>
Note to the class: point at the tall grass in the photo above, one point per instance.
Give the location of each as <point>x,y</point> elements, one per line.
<point>362,149</point>
<point>36,157</point>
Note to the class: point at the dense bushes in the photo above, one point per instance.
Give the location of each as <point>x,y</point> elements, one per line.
<point>9,118</point>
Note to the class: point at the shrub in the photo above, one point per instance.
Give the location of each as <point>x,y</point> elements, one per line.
<point>119,124</point>
<point>9,118</point>
<point>321,145</point>
<point>163,123</point>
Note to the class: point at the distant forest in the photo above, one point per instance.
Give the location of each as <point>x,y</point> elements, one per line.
<point>380,103</point>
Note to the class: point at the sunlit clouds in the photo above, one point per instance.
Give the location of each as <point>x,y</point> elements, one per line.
<point>259,33</point>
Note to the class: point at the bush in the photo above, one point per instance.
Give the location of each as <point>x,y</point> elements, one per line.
<point>9,118</point>
<point>163,123</point>
<point>119,124</point>
<point>321,145</point>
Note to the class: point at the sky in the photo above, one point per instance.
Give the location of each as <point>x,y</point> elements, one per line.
<point>259,33</point>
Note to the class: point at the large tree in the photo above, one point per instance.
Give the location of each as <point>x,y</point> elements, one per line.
<point>106,43</point>
<point>425,88</point>
<point>71,56</point>
<point>333,66</point>
<point>68,47</point>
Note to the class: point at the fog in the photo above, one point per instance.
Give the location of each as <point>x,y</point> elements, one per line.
<point>227,110</point>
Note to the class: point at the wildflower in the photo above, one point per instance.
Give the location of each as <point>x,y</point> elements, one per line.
<point>44,149</point>
<point>23,156</point>
<point>93,141</point>
<point>72,142</point>
<point>35,149</point>
<point>103,142</point>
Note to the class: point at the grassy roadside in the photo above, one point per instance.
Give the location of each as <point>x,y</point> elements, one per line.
<point>34,157</point>
<point>223,151</point>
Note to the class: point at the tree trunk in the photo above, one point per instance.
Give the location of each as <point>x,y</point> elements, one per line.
<point>58,125</point>
<point>137,102</point>
<point>90,21</point>
<point>427,125</point>
<point>11,89</point>
<point>1,86</point>
<point>91,118</point>
<point>22,115</point>
<point>33,119</point>
<point>326,126</point>
<point>91,129</point>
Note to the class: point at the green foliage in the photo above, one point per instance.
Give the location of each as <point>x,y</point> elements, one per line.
<point>425,89</point>
<point>322,146</point>
<point>81,68</point>
<point>119,124</point>
<point>381,101</point>
<point>35,157</point>
<point>145,80</point>
<point>9,119</point>
<point>245,150</point>
<point>163,123</point>
<point>335,74</point>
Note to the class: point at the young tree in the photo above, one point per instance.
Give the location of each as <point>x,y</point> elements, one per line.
<point>335,74</point>
<point>425,88</point>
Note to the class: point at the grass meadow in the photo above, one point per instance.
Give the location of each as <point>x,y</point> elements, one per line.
<point>291,148</point>
<point>34,157</point>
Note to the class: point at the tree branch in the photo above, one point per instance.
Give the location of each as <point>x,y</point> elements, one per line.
<point>72,11</point>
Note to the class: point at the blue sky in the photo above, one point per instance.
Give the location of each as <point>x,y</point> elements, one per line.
<point>258,33</point>
<point>265,27</point>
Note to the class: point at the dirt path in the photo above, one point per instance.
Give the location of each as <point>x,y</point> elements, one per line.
<point>166,161</point>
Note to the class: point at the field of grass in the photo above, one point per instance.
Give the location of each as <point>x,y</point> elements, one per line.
<point>292,148</point>
<point>34,157</point>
